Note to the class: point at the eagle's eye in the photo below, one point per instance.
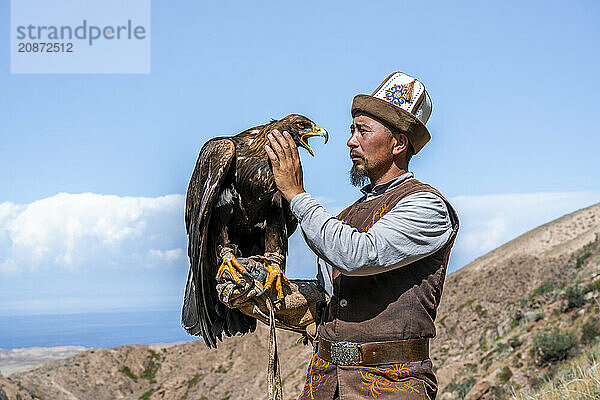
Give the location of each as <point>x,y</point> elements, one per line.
<point>302,125</point>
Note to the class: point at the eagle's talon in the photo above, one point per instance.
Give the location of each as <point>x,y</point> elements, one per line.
<point>233,266</point>
<point>277,277</point>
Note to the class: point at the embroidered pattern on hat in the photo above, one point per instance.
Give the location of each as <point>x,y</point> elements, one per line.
<point>400,94</point>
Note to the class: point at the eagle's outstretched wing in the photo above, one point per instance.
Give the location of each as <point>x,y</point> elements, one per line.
<point>202,312</point>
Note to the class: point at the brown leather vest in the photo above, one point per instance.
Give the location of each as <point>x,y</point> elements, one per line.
<point>399,304</point>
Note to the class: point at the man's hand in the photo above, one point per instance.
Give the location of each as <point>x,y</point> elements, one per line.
<point>287,169</point>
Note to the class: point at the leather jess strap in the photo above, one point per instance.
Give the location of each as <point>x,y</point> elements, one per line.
<point>373,353</point>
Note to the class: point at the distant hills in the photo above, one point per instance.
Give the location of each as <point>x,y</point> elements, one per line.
<point>18,359</point>
<point>507,320</point>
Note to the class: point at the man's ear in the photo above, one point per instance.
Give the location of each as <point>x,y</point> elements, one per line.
<point>401,144</point>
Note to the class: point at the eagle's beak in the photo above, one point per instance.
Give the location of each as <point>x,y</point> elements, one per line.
<point>317,131</point>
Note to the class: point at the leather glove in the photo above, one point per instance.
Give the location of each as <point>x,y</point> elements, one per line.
<point>298,310</point>
<point>234,296</point>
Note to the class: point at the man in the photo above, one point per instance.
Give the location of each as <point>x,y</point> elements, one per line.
<point>383,259</point>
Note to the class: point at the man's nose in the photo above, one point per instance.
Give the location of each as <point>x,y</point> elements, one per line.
<point>353,141</point>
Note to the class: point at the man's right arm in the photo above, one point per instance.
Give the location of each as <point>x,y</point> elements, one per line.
<point>414,228</point>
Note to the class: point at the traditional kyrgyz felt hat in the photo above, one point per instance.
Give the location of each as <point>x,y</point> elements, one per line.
<point>402,102</point>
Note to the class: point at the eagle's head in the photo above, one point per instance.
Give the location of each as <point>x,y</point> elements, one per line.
<point>300,128</point>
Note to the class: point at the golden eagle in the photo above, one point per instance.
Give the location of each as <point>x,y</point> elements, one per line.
<point>233,208</point>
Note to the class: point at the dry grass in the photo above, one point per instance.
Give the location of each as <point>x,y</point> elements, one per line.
<point>575,380</point>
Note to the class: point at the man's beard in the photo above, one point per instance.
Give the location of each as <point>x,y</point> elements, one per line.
<point>359,176</point>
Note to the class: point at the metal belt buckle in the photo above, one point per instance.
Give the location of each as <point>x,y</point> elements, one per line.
<point>345,353</point>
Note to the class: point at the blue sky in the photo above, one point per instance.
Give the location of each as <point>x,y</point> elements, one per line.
<point>514,131</point>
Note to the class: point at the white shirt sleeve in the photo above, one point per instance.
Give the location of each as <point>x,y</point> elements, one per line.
<point>418,225</point>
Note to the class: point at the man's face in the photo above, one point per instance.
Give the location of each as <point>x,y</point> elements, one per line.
<point>371,145</point>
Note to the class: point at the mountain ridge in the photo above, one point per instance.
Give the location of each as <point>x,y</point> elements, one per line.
<point>492,314</point>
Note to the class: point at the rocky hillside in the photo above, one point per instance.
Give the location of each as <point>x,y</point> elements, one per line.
<point>510,316</point>
<point>506,321</point>
<point>236,370</point>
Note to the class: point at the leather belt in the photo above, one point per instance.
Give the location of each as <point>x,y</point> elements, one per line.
<point>373,353</point>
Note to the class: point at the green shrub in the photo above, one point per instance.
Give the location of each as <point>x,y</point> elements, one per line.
<point>536,382</point>
<point>128,372</point>
<point>194,381</point>
<point>154,354</point>
<point>590,330</point>
<point>544,288</point>
<point>148,394</point>
<point>480,311</point>
<point>462,387</point>
<point>504,375</point>
<point>523,303</point>
<point>518,317</point>
<point>150,371</point>
<point>465,304</point>
<point>552,346</point>
<point>573,297</point>
<point>581,259</point>
<point>483,345</point>
<point>498,392</point>
<point>221,370</point>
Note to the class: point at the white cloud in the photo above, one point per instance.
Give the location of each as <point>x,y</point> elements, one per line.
<point>86,231</point>
<point>492,220</point>
<point>79,231</point>
<point>169,256</point>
